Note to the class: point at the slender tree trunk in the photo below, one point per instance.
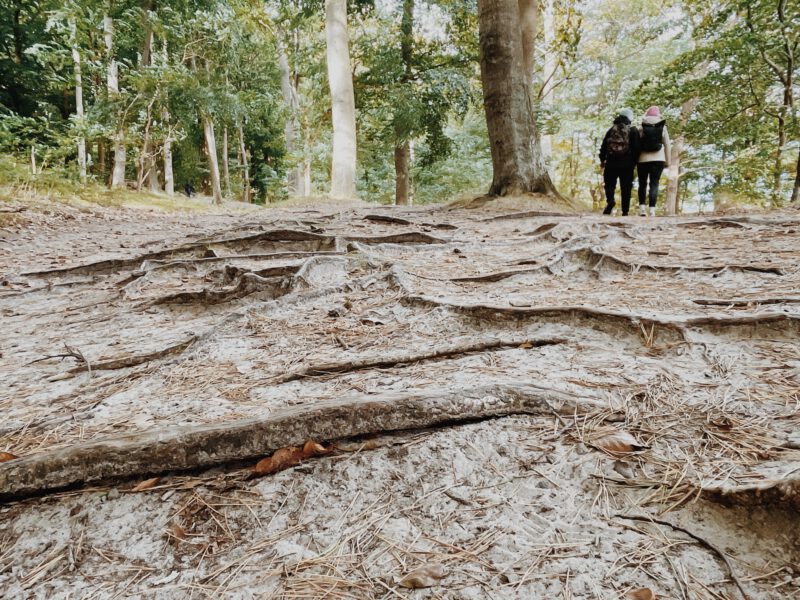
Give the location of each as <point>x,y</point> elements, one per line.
<point>340,79</point>
<point>118,170</point>
<point>674,170</point>
<point>517,160</point>
<point>796,190</point>
<point>33,160</point>
<point>169,177</point>
<point>225,172</point>
<point>76,60</point>
<point>213,164</point>
<point>777,174</point>
<point>402,150</point>
<point>294,177</point>
<point>245,166</point>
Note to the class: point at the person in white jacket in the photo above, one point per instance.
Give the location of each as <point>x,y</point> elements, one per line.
<point>654,157</point>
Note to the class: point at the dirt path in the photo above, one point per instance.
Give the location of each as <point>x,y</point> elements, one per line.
<point>675,338</point>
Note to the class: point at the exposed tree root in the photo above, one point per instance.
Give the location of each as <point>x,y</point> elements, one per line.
<point>638,323</point>
<point>526,215</point>
<point>190,447</point>
<point>387,219</point>
<point>770,491</point>
<point>411,237</point>
<point>165,264</point>
<point>111,364</point>
<point>246,284</point>
<point>745,302</point>
<point>405,359</point>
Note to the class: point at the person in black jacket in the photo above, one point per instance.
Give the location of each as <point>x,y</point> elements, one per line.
<point>619,154</point>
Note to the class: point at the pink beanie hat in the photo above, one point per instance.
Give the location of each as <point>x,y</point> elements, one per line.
<point>653,111</point>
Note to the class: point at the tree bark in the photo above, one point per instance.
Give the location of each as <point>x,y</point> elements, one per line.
<point>402,150</point>
<point>213,164</point>
<point>796,190</point>
<point>112,83</point>
<point>548,26</point>
<point>225,172</point>
<point>402,158</point>
<point>528,20</point>
<point>245,166</point>
<point>291,129</point>
<point>674,170</point>
<point>169,177</point>
<point>517,160</point>
<point>340,79</point>
<point>76,59</point>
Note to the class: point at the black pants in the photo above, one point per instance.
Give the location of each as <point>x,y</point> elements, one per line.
<point>651,171</point>
<point>625,176</point>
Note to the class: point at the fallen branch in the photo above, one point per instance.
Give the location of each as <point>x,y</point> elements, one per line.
<point>70,353</point>
<point>323,369</point>
<point>694,536</point>
<point>199,446</point>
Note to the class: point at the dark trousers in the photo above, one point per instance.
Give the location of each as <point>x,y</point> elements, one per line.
<point>649,171</point>
<point>610,177</point>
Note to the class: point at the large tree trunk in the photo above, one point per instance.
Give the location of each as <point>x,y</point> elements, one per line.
<point>528,22</point>
<point>291,129</point>
<point>112,83</point>
<point>550,66</point>
<point>76,59</point>
<point>245,166</point>
<point>796,190</point>
<point>402,150</point>
<point>517,160</point>
<point>340,79</point>
<point>213,164</point>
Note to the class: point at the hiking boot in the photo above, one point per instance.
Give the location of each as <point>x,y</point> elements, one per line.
<point>642,210</point>
<point>652,211</point>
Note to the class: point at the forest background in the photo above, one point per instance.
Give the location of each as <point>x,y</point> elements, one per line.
<point>151,94</point>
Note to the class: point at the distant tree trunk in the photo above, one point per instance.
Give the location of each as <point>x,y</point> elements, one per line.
<point>340,79</point>
<point>33,159</point>
<point>402,150</point>
<point>76,59</point>
<point>245,166</point>
<point>517,160</point>
<point>291,129</point>
<point>169,177</point>
<point>225,172</point>
<point>118,170</point>
<point>149,166</point>
<point>213,164</point>
<point>796,190</point>
<point>674,170</point>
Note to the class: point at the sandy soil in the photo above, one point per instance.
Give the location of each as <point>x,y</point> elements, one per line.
<point>684,330</point>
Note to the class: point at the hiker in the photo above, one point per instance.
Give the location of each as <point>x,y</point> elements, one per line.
<point>188,189</point>
<point>618,155</point>
<point>654,157</point>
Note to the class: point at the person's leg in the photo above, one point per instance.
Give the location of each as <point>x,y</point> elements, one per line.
<point>656,169</point>
<point>610,184</point>
<point>642,169</point>
<point>626,188</point>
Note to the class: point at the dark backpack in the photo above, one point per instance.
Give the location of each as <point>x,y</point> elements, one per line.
<point>652,136</point>
<point>619,140</point>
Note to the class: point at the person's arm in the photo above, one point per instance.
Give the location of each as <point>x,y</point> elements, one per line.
<point>667,146</point>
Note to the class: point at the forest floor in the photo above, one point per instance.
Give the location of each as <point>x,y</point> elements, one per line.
<point>512,404</point>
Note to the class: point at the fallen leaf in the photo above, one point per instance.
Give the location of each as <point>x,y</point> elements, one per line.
<point>177,531</point>
<point>422,577</point>
<point>312,448</point>
<point>146,484</point>
<point>616,442</point>
<point>282,459</point>
<point>641,594</point>
<point>525,345</point>
<point>7,456</point>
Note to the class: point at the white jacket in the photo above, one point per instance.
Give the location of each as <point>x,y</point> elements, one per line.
<point>661,155</point>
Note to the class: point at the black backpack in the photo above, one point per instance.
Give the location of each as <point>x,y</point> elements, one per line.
<point>619,140</point>
<point>652,136</point>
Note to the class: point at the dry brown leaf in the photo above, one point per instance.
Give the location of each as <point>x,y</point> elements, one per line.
<point>526,346</point>
<point>177,531</point>
<point>641,594</point>
<point>423,577</point>
<point>7,456</point>
<point>312,448</point>
<point>146,484</point>
<point>282,459</point>
<point>617,442</point>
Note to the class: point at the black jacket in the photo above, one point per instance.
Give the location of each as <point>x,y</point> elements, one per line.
<point>618,162</point>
